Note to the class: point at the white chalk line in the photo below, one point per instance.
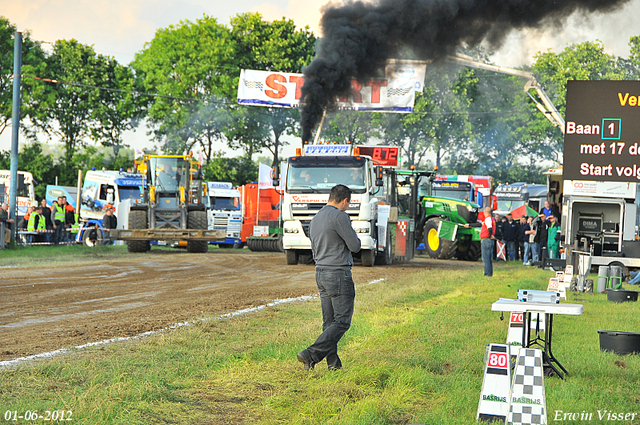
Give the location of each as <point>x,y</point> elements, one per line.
<point>61,351</point>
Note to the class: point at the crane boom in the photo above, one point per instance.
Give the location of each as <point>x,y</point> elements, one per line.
<point>544,105</point>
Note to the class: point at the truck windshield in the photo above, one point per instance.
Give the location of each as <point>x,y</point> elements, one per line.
<point>451,193</point>
<point>227,204</point>
<point>165,173</point>
<point>321,178</point>
<point>128,192</point>
<point>509,204</point>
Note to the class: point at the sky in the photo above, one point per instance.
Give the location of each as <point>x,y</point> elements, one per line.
<point>120,28</point>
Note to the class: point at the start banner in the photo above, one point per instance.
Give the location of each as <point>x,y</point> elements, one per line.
<point>283,90</point>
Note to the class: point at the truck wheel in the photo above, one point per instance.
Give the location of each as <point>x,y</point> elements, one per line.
<point>386,257</point>
<point>368,257</point>
<point>138,220</point>
<point>292,256</point>
<point>252,244</point>
<point>91,237</point>
<point>197,220</point>
<point>435,246</point>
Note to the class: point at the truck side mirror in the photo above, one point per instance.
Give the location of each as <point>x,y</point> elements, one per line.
<point>275,176</point>
<point>22,186</point>
<point>480,199</point>
<point>379,174</point>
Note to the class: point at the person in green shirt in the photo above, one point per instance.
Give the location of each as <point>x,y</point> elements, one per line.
<point>553,245</point>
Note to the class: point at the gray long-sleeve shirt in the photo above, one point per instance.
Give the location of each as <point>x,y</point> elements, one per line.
<point>332,238</point>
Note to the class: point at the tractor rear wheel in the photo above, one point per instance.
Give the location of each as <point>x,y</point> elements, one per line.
<point>197,220</point>
<point>138,220</point>
<point>470,251</point>
<point>435,246</point>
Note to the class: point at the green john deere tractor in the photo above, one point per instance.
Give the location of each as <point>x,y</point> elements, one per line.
<point>440,220</point>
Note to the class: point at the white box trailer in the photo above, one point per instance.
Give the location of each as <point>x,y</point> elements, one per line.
<point>601,218</point>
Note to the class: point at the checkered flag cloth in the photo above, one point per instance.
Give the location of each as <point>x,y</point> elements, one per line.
<point>528,404</point>
<point>254,85</point>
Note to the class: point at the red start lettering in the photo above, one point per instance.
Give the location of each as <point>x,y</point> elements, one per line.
<point>375,89</point>
<point>273,81</point>
<point>298,80</point>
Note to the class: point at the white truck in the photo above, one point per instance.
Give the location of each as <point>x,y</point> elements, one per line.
<point>515,195</point>
<point>310,175</point>
<point>26,196</point>
<point>100,188</point>
<point>223,204</point>
<point>602,218</point>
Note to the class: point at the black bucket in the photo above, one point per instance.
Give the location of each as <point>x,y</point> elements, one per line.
<point>620,343</point>
<point>621,295</point>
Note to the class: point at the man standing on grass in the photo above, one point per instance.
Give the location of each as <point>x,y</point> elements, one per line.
<point>487,232</point>
<point>332,242</point>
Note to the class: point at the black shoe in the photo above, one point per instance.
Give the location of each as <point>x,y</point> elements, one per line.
<point>333,362</point>
<point>305,358</point>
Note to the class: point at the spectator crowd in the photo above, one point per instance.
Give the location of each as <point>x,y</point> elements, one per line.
<point>530,239</point>
<point>55,224</point>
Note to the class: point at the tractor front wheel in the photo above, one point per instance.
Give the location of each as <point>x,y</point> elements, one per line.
<point>197,220</point>
<point>435,246</point>
<point>138,220</point>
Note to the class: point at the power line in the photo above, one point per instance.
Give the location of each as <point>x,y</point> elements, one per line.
<point>70,83</point>
<point>209,101</point>
<point>135,92</point>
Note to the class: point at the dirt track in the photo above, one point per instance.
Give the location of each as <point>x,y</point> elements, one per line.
<point>47,309</point>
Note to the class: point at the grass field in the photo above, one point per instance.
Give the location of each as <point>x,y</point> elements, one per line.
<point>414,354</point>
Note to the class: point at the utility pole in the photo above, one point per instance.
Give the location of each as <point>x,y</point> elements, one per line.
<point>15,124</point>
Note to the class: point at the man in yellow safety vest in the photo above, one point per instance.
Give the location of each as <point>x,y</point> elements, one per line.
<point>37,222</point>
<point>57,217</point>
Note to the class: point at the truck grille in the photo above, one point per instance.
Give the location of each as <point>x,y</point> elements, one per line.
<point>220,220</point>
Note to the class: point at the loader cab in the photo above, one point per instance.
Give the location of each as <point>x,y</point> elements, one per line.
<point>167,174</point>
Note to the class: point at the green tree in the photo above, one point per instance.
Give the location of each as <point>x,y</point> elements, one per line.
<point>632,65</point>
<point>32,159</point>
<point>271,46</point>
<point>350,126</point>
<point>70,106</point>
<point>119,107</point>
<point>439,121</point>
<point>192,70</point>
<point>32,60</point>
<point>239,171</point>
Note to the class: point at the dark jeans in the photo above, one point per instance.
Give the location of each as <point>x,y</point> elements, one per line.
<point>487,251</point>
<point>511,250</point>
<point>59,235</point>
<point>337,295</point>
<point>520,250</point>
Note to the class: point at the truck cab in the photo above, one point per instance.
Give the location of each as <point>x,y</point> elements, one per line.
<point>224,212</point>
<point>25,196</point>
<point>310,176</point>
<point>515,195</point>
<point>601,218</point>
<point>108,187</point>
<point>465,191</point>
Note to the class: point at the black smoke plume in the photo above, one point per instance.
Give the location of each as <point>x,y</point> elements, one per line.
<point>358,37</point>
